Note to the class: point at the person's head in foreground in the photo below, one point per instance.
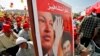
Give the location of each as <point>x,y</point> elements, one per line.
<point>22,42</point>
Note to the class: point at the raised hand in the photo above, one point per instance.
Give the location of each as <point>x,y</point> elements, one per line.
<point>58,28</point>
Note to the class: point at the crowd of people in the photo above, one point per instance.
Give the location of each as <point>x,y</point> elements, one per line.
<point>14,35</point>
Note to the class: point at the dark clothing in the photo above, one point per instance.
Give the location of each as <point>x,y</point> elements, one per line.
<point>98,22</point>
<point>97,33</point>
<point>12,51</point>
<point>1,25</point>
<point>97,37</point>
<point>85,41</point>
<point>87,28</point>
<point>17,30</point>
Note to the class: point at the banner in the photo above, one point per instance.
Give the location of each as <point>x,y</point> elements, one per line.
<point>53,25</point>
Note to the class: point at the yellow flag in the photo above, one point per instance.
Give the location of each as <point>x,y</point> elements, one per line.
<point>1,14</point>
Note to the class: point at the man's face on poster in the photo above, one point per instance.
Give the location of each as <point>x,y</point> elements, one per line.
<point>46,30</point>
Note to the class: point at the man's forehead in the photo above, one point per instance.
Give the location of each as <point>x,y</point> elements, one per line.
<point>46,14</point>
<point>46,17</point>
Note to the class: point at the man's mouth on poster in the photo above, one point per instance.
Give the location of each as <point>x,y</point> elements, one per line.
<point>47,37</point>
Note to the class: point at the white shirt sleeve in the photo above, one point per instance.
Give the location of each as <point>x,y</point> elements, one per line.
<point>20,34</point>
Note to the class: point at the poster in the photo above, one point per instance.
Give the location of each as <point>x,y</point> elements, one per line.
<point>53,27</point>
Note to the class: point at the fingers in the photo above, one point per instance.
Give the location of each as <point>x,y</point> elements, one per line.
<point>58,26</point>
<point>58,22</point>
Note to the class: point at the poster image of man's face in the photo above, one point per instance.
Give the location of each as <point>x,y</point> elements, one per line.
<point>46,30</point>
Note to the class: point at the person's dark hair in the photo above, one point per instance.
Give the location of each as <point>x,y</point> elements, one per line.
<point>98,15</point>
<point>65,36</point>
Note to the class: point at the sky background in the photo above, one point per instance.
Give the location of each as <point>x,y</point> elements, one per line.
<point>17,4</point>
<point>80,5</point>
<point>77,5</point>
